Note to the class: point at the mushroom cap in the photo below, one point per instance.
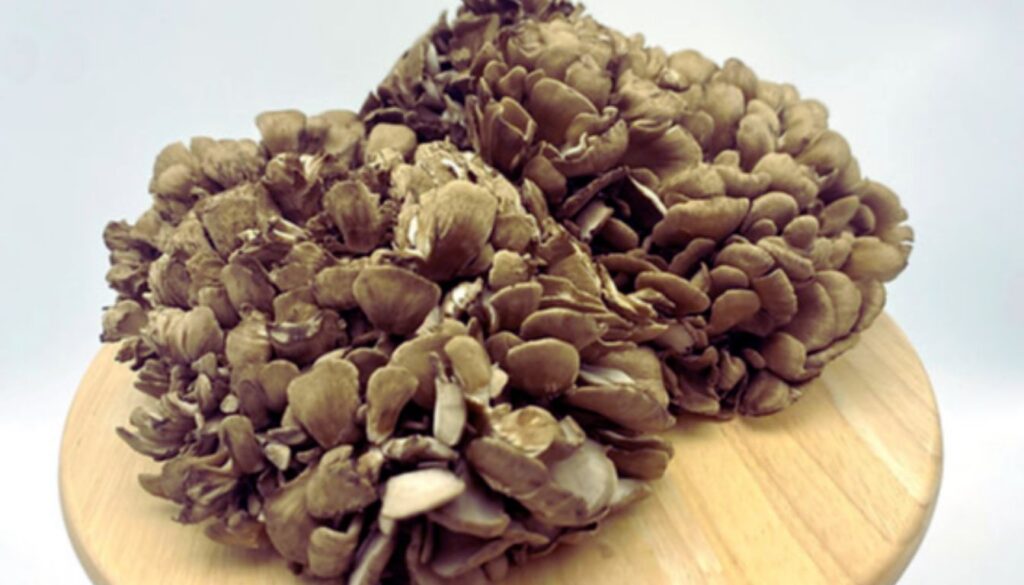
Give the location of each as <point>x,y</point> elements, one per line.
<point>331,552</point>
<point>415,356</point>
<point>531,429</point>
<point>332,286</point>
<point>513,304</point>
<point>388,391</point>
<point>471,366</point>
<point>687,298</point>
<point>395,299</point>
<point>574,327</point>
<point>417,449</point>
<point>544,367</point>
<point>589,474</point>
<point>324,400</point>
<point>634,406</point>
<point>342,484</point>
<point>418,492</point>
<point>453,225</point>
<point>289,526</point>
<point>713,218</point>
<point>476,512</point>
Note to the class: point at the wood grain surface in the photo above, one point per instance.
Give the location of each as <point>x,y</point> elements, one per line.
<point>837,489</point>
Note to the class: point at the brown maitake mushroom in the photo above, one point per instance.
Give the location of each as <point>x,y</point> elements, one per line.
<point>436,338</point>
<point>720,202</point>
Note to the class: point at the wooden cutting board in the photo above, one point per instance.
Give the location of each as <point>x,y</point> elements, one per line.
<point>837,489</point>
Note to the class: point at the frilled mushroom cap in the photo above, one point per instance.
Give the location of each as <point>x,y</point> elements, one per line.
<point>450,322</point>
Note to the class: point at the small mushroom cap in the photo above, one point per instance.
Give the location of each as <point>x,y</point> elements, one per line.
<point>731,308</point>
<point>507,268</point>
<point>388,391</point>
<point>815,323</point>
<point>649,464</point>
<point>397,137</point>
<point>332,286</point>
<point>751,259</point>
<point>124,319</point>
<point>289,526</point>
<point>395,299</point>
<point>873,294</point>
<point>724,278</point>
<point>795,263</point>
<point>778,297</point>
<point>506,469</point>
<point>515,303</point>
<point>471,365</point>
<point>184,336</point>
<point>686,297</point>
<point>248,342</point>
<point>476,512</point>
<point>786,357</point>
<point>274,377</point>
<point>574,327</point>
<point>499,344</point>
<point>325,400</point>
<point>237,434</point>
<point>453,226</point>
<point>247,283</point>
<point>414,355</point>
<point>238,530</point>
<point>589,474</point>
<point>418,492</point>
<point>331,552</point>
<point>766,394</point>
<point>531,429</point>
<point>629,365</point>
<point>367,360</point>
<point>341,484</point>
<point>355,210</point>
<point>281,130</point>
<point>544,367</point>
<point>633,442</point>
<point>713,218</point>
<point>233,212</point>
<point>634,406</point>
<point>303,342</point>
<point>846,299</point>
<point>417,449</point>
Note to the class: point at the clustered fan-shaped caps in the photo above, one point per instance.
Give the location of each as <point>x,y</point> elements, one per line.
<point>448,325</point>
<point>347,342</point>
<point>722,200</point>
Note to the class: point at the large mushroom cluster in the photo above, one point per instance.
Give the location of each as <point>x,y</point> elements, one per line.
<point>438,337</point>
<point>723,199</point>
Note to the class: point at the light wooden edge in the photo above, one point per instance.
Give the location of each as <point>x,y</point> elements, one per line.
<point>93,571</point>
<point>901,562</point>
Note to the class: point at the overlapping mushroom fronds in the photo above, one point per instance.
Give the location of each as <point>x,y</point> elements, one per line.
<point>362,343</point>
<point>722,200</point>
<point>439,337</point>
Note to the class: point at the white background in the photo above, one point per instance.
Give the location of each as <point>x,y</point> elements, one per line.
<point>929,95</point>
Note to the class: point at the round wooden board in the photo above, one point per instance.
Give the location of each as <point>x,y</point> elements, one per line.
<point>837,489</point>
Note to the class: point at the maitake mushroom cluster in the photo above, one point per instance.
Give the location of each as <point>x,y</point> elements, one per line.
<point>723,200</point>
<point>423,342</point>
